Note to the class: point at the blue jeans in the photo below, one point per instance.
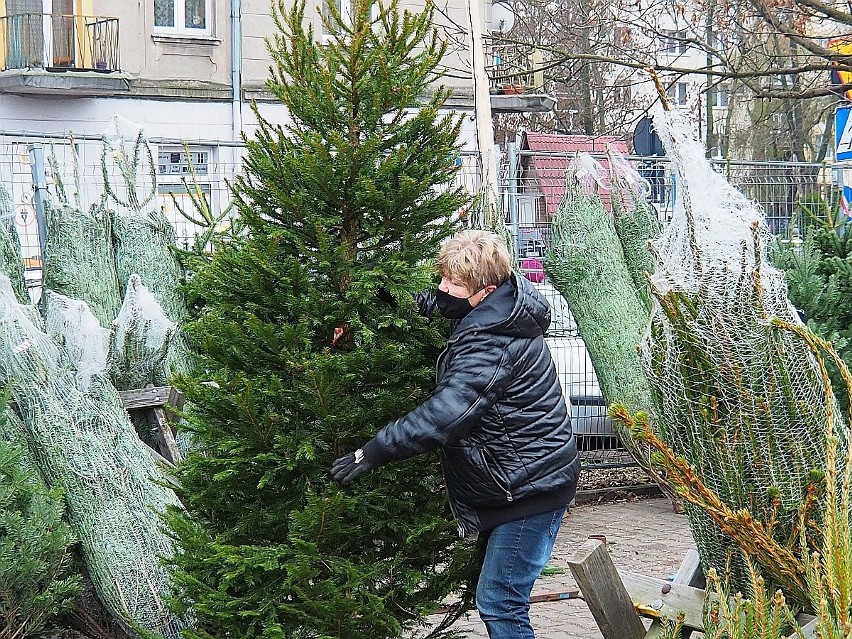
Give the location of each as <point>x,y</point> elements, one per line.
<point>514,556</point>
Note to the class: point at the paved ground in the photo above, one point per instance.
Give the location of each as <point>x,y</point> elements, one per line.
<point>643,536</point>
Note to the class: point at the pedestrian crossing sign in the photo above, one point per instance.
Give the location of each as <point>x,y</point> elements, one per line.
<point>843,133</point>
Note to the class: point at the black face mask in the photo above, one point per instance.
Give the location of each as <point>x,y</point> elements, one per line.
<point>451,307</point>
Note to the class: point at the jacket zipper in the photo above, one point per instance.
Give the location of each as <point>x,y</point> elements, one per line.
<point>502,483</point>
<point>458,519</point>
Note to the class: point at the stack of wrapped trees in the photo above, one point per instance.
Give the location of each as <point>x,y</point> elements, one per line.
<point>605,284</point>
<point>63,372</point>
<point>81,438</point>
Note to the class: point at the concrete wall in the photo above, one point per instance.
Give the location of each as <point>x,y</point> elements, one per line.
<point>195,62</point>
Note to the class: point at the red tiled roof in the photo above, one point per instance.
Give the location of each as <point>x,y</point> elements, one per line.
<point>550,171</point>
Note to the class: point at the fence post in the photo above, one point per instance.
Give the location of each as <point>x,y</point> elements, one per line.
<point>512,151</point>
<point>39,190</point>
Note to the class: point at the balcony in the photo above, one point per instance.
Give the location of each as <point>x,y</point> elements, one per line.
<point>516,78</point>
<point>71,55</point>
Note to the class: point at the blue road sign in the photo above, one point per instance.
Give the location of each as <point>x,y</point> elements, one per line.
<point>843,133</point>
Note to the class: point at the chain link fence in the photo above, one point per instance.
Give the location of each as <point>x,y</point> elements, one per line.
<point>32,166</point>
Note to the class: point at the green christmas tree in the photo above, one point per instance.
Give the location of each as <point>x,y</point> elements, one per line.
<point>311,340</point>
<point>819,281</point>
<point>36,579</point>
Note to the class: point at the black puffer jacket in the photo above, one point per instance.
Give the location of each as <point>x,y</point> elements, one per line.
<point>497,415</point>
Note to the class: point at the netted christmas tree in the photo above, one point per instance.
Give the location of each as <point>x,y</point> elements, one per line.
<point>311,339</point>
<point>587,264</point>
<point>741,400</point>
<point>143,238</point>
<point>11,262</point>
<point>78,251</point>
<point>82,439</point>
<point>635,220</point>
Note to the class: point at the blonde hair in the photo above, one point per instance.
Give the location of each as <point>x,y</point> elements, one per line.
<point>476,259</point>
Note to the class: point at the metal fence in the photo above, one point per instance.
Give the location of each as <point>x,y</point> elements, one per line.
<point>32,166</point>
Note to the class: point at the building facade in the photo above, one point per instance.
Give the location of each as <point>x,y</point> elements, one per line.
<point>184,69</point>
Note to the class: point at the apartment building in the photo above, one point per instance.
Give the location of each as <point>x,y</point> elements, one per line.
<point>181,68</point>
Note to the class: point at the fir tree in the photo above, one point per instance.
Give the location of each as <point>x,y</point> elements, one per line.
<point>819,279</point>
<point>311,341</point>
<point>36,579</point>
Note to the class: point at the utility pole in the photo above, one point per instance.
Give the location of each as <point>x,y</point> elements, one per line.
<point>482,109</point>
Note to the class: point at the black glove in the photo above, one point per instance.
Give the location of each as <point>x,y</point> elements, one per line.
<point>384,295</point>
<point>347,468</point>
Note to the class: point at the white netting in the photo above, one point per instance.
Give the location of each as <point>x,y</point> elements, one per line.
<point>628,189</point>
<point>85,442</point>
<point>140,341</point>
<point>742,401</point>
<point>72,325</point>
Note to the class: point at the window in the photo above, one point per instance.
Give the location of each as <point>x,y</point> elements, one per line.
<point>720,96</point>
<point>674,42</point>
<point>343,8</point>
<point>178,162</point>
<point>676,93</point>
<point>183,17</point>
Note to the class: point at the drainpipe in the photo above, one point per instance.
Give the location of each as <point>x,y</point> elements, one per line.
<point>236,69</point>
<point>36,153</point>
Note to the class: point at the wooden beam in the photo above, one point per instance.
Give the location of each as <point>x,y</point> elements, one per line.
<point>604,592</point>
<point>175,398</point>
<point>145,397</point>
<point>162,432</point>
<point>647,593</point>
<point>689,574</point>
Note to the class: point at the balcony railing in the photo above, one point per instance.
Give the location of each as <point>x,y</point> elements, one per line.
<point>59,42</point>
<point>512,68</point>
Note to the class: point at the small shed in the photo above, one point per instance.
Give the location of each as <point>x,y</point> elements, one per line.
<point>544,160</point>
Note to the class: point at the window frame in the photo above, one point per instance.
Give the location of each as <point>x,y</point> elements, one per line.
<point>678,93</point>
<point>674,42</point>
<point>180,28</point>
<point>721,94</point>
<point>171,182</point>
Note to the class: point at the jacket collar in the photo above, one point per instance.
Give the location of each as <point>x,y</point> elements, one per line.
<point>515,308</point>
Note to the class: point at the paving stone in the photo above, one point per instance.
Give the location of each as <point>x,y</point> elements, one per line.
<point>643,536</point>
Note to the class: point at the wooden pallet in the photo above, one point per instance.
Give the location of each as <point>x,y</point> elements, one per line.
<point>156,402</point>
<point>619,600</point>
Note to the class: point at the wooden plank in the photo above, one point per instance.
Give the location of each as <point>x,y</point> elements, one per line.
<point>175,398</point>
<point>165,463</point>
<point>807,624</point>
<point>145,397</point>
<point>604,592</point>
<point>174,405</point>
<point>689,574</point>
<point>648,597</point>
<point>163,435</point>
<point>157,456</point>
